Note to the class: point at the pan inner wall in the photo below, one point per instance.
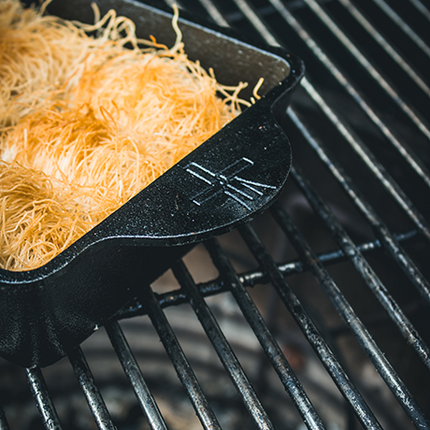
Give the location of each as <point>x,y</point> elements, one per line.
<point>232,60</point>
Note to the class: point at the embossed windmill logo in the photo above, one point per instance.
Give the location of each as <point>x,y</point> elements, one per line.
<point>227,182</point>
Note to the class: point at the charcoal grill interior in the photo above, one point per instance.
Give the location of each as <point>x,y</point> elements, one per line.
<point>316,315</point>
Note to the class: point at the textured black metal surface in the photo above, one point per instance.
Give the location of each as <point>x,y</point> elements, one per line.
<point>227,181</point>
<point>338,268</point>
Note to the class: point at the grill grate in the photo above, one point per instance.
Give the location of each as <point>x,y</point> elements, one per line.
<point>345,249</point>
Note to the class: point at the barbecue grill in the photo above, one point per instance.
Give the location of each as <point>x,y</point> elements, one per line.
<point>315,315</point>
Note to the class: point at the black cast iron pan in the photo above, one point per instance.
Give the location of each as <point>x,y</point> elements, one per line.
<point>228,180</point>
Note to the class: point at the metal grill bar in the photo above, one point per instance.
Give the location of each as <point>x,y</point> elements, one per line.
<point>345,310</point>
<point>411,158</point>
<point>43,399</point>
<point>225,353</point>
<point>309,329</point>
<point>403,26</point>
<point>405,262</point>
<point>181,364</point>
<point>371,162</point>
<point>271,271</point>
<point>373,282</point>
<point>271,348</point>
<point>135,376</point>
<point>90,390</point>
<point>346,131</point>
<point>421,8</point>
<point>3,421</point>
<point>387,239</point>
<point>252,278</point>
<point>383,42</point>
<point>255,20</point>
<point>368,66</point>
<point>214,13</point>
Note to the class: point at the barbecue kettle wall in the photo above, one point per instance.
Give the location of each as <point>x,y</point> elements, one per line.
<point>48,311</point>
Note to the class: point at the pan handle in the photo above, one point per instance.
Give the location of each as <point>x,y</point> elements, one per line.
<point>225,182</point>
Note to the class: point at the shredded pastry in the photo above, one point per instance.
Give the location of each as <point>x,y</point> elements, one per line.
<point>86,123</point>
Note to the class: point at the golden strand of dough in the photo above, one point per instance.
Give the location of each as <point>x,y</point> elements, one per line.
<point>86,123</point>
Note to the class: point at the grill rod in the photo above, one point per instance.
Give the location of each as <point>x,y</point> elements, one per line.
<point>384,235</point>
<point>363,267</point>
<point>388,239</point>
<point>227,356</point>
<point>135,376</point>
<point>421,8</point>
<point>290,300</point>
<point>383,42</point>
<point>377,169</point>
<point>250,279</point>
<point>345,310</point>
<point>401,146</point>
<point>367,65</point>
<point>3,421</point>
<point>183,369</point>
<point>43,400</point>
<point>359,147</point>
<point>371,162</point>
<point>92,394</point>
<point>403,26</point>
<point>261,331</point>
<point>290,266</point>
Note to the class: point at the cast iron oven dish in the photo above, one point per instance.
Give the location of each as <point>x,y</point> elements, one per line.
<point>227,181</point>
